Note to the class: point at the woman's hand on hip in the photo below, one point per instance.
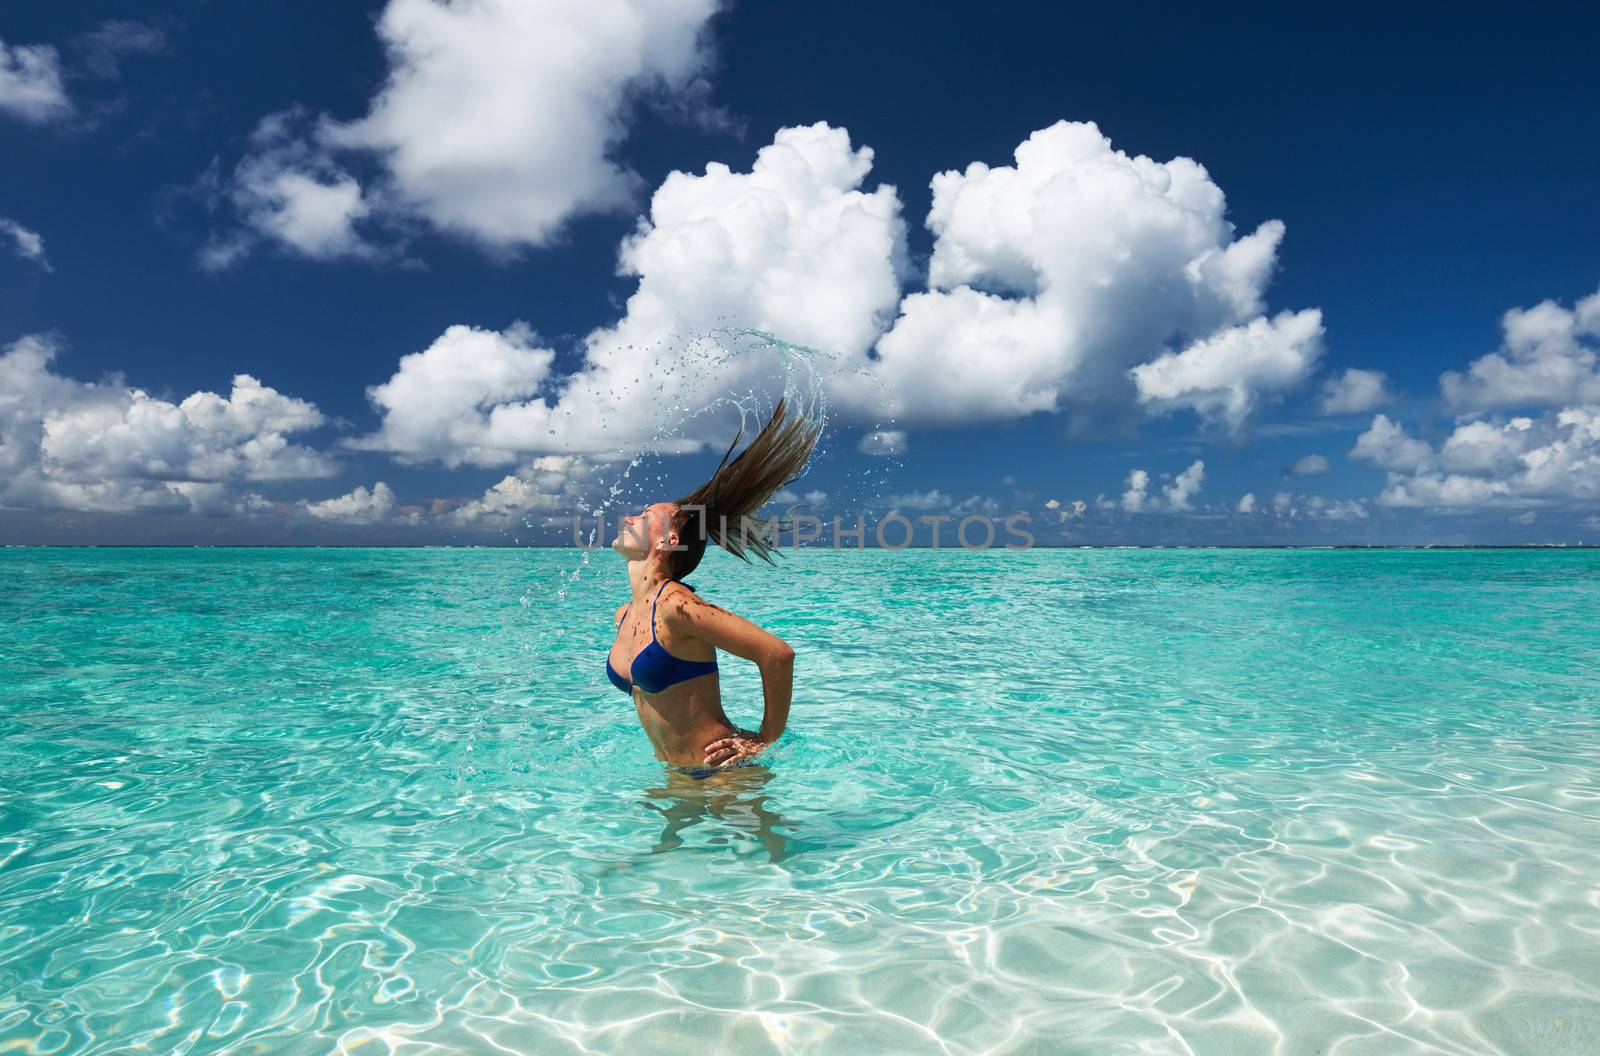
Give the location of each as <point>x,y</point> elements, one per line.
<point>741,744</point>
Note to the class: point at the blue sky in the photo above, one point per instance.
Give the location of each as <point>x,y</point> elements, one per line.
<point>308,194</point>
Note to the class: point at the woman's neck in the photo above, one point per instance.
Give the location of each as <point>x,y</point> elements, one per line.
<point>645,578</point>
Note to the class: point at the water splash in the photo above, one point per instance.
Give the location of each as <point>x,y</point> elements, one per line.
<point>805,374</point>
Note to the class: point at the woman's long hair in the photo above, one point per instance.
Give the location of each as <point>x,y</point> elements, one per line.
<point>723,507</point>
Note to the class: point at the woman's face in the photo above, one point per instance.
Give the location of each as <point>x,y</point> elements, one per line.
<point>645,532</point>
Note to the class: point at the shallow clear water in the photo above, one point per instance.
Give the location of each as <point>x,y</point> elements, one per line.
<point>1045,802</point>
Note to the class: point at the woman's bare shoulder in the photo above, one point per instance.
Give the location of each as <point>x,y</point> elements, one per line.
<point>692,616</point>
<point>681,601</point>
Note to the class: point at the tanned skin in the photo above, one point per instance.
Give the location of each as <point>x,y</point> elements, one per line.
<point>685,722</point>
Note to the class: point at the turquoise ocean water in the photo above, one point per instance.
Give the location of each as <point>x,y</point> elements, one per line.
<point>1058,801</point>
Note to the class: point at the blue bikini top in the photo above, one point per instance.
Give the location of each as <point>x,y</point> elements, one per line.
<point>654,669</point>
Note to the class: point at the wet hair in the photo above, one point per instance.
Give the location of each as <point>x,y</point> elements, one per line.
<point>721,509</point>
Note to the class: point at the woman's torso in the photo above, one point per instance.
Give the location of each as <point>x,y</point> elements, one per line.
<point>682,718</point>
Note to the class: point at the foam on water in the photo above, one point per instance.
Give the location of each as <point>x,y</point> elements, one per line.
<point>1043,802</point>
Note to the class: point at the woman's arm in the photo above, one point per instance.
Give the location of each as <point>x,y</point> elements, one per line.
<point>698,618</point>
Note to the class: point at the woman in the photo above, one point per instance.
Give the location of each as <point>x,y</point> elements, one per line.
<point>665,652</point>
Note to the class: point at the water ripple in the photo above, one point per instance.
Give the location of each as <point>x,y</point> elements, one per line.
<point>1043,802</point>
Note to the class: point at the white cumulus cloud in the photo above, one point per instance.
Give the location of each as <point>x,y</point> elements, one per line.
<point>1052,277</point>
<point>1310,466</point>
<point>1137,494</point>
<point>460,400</point>
<point>293,195</point>
<point>1181,492</point>
<point>1551,459</point>
<point>28,244</point>
<point>1337,509</point>
<point>66,444</point>
<point>1287,504</point>
<point>497,123</point>
<point>1547,362</point>
<point>932,499</point>
<point>793,247</point>
<point>1177,496</point>
<point>549,487</point>
<point>30,83</point>
<point>1224,377</point>
<point>1354,392</point>
<point>358,506</point>
<point>1049,282</point>
<point>1387,445</point>
<point>1548,358</point>
<point>884,443</point>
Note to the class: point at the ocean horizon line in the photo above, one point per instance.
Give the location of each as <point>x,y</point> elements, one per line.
<point>839,549</point>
